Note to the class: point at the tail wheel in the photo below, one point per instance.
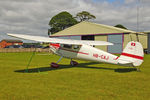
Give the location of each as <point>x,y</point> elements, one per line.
<point>54,65</point>
<point>73,63</point>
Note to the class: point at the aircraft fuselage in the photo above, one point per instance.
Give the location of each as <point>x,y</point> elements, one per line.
<point>84,52</point>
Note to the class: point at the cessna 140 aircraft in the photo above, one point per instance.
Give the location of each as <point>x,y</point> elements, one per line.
<point>132,55</point>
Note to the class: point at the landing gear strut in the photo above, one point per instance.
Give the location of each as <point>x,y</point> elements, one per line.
<point>138,69</point>
<point>55,65</point>
<point>73,63</point>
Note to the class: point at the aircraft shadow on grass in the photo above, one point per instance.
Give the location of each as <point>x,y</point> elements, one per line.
<point>81,65</point>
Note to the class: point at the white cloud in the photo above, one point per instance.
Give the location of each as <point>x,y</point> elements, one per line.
<point>130,1</point>
<point>32,16</point>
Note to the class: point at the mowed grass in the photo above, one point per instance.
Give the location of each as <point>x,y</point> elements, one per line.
<point>87,81</point>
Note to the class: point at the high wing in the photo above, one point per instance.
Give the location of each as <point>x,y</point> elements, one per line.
<point>61,41</point>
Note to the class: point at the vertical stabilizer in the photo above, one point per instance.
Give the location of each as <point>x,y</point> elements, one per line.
<point>132,54</point>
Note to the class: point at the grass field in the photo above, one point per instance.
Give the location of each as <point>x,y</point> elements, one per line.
<point>87,81</point>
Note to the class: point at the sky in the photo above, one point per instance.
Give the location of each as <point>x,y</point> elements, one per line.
<point>32,16</point>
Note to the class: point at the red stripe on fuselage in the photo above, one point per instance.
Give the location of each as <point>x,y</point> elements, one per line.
<point>132,56</point>
<point>75,51</point>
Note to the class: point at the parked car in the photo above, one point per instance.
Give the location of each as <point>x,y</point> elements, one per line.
<point>32,46</point>
<point>14,46</point>
<point>27,46</point>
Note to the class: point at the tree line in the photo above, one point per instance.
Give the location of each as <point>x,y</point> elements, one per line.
<point>64,20</point>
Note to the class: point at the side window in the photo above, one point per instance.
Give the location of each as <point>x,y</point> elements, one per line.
<point>67,46</point>
<point>76,47</point>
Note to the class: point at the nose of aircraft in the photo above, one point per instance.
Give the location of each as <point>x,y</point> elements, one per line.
<point>56,45</point>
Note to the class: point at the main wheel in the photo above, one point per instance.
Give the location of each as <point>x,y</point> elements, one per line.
<point>73,63</point>
<point>54,65</point>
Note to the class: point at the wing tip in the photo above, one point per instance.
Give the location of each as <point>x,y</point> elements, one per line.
<point>9,34</point>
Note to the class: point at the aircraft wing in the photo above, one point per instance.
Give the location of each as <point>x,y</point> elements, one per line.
<point>61,41</point>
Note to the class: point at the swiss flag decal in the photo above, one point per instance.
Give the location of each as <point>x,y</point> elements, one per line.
<point>133,44</point>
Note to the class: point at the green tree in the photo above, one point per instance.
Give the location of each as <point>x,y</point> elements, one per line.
<point>61,21</point>
<point>84,16</point>
<point>120,26</point>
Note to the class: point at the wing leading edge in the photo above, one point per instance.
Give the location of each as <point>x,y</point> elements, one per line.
<point>56,40</point>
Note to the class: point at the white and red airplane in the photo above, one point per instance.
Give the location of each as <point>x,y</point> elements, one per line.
<point>132,55</point>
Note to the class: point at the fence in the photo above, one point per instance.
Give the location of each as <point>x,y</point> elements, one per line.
<point>24,50</point>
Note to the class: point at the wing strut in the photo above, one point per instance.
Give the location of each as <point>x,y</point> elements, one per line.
<point>29,62</point>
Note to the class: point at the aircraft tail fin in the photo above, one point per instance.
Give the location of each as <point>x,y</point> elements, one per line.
<point>132,55</point>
